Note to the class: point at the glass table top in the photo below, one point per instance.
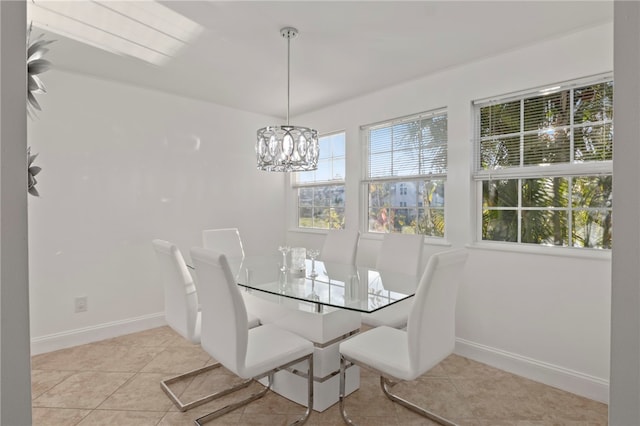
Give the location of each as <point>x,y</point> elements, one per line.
<point>336,285</point>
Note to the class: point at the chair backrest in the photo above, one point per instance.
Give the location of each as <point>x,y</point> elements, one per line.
<point>224,240</point>
<point>340,246</point>
<point>225,330</point>
<point>401,253</point>
<point>431,326</point>
<point>180,296</point>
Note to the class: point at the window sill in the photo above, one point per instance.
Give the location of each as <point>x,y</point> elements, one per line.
<point>309,231</point>
<point>542,250</point>
<point>430,241</point>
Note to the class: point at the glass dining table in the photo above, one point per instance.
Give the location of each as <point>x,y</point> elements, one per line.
<point>326,284</point>
<point>322,302</point>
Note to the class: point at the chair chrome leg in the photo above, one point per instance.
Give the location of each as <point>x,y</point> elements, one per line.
<point>343,377</point>
<point>384,384</point>
<point>228,408</point>
<point>224,410</point>
<point>302,420</point>
<point>182,406</point>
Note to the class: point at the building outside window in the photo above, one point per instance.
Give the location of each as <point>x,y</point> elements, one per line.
<point>406,168</point>
<point>543,166</point>
<point>320,193</point>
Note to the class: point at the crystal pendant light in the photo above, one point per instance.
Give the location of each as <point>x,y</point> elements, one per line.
<point>287,148</point>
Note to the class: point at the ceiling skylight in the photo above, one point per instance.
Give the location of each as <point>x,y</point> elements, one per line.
<point>145,30</point>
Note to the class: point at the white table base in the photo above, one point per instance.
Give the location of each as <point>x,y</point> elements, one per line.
<point>326,330</point>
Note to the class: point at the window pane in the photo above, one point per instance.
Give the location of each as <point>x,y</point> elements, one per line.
<point>500,119</point>
<point>337,196</point>
<point>592,228</point>
<point>338,145</point>
<point>380,165</point>
<point>305,196</point>
<point>431,222</point>
<point>337,218</point>
<point>592,191</point>
<point>321,218</point>
<point>500,225</point>
<point>379,194</point>
<point>403,220</point>
<point>594,143</point>
<point>550,146</point>
<point>305,217</point>
<point>321,207</point>
<point>405,163</point>
<point>542,112</point>
<point>593,103</point>
<point>305,177</point>
<point>498,153</point>
<point>322,196</point>
<point>545,192</point>
<point>500,193</point>
<point>379,140</point>
<point>545,227</point>
<point>323,173</point>
<point>431,193</point>
<point>338,169</point>
<point>379,219</point>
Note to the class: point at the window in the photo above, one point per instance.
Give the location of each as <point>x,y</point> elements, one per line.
<point>320,193</point>
<point>406,169</point>
<point>544,166</point>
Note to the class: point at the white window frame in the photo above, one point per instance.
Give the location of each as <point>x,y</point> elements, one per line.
<point>569,170</point>
<point>366,180</point>
<point>296,186</point>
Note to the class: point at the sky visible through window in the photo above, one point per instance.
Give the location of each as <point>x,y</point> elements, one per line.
<point>331,162</point>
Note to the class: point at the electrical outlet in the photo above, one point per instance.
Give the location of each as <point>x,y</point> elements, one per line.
<point>81,304</point>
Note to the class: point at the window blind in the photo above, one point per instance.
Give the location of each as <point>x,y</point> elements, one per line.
<point>414,146</point>
<point>555,131</point>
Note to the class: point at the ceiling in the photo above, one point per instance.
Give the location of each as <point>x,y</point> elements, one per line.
<point>343,50</point>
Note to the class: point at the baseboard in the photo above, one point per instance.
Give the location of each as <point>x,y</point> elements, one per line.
<point>81,336</point>
<point>562,378</point>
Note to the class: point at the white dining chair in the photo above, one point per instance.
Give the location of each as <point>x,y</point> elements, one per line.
<point>228,242</point>
<point>399,355</point>
<point>399,253</point>
<point>224,240</point>
<point>248,353</point>
<point>340,246</point>
<point>182,315</point>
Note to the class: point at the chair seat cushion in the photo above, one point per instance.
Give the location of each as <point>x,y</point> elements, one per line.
<point>394,316</point>
<point>270,347</point>
<point>383,348</point>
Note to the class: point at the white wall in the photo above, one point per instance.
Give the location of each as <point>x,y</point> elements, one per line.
<point>122,166</point>
<point>543,316</point>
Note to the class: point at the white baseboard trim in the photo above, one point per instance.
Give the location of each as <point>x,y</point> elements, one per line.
<point>81,336</point>
<point>559,377</point>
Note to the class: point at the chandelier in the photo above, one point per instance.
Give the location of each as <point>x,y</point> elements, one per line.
<point>287,148</point>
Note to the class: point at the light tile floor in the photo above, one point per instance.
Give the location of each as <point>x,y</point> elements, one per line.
<point>116,382</point>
